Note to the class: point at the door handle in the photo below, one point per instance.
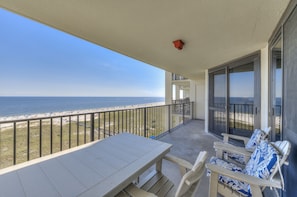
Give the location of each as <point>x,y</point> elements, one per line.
<point>257,110</point>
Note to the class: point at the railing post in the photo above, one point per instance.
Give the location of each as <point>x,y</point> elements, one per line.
<point>103,124</point>
<point>183,106</point>
<point>192,108</point>
<point>28,140</point>
<point>234,117</point>
<point>61,133</point>
<point>144,122</point>
<point>40,138</point>
<point>169,118</point>
<point>77,130</point>
<point>92,127</point>
<point>14,143</point>
<point>51,137</point>
<point>69,131</point>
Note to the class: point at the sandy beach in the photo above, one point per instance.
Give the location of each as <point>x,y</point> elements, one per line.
<point>71,113</point>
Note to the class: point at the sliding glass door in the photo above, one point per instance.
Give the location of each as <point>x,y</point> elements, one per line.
<point>234,92</point>
<point>276,90</point>
<point>217,101</point>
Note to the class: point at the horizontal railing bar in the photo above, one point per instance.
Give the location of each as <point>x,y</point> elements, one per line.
<point>79,114</point>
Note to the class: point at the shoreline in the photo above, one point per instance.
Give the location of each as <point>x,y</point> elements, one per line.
<point>75,112</point>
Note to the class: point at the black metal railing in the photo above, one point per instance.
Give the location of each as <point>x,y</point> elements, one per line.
<point>25,139</point>
<point>180,101</point>
<point>241,117</point>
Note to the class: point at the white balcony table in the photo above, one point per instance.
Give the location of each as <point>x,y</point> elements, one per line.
<point>100,168</point>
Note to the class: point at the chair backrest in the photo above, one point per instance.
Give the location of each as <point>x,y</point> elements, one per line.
<point>267,159</point>
<point>257,136</point>
<point>284,148</point>
<point>190,181</point>
<point>267,130</point>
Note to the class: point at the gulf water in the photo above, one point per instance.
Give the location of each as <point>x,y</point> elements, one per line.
<point>15,106</point>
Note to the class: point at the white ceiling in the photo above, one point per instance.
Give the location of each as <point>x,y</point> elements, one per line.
<point>214,31</point>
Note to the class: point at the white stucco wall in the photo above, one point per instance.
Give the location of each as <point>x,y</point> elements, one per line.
<point>264,86</point>
<point>206,101</point>
<point>198,93</point>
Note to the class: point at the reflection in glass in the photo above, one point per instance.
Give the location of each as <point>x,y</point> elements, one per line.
<point>217,102</point>
<point>277,90</point>
<point>241,91</point>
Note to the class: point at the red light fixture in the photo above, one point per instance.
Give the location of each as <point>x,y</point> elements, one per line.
<point>179,44</point>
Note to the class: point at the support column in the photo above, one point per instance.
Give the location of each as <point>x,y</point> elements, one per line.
<point>264,87</point>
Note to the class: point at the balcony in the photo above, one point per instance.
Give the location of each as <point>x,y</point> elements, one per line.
<point>230,31</point>
<point>188,140</point>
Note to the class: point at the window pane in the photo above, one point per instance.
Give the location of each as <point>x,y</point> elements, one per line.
<point>241,90</point>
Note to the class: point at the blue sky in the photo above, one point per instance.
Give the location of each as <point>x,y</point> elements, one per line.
<point>36,60</point>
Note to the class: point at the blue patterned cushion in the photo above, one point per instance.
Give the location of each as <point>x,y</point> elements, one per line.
<point>255,139</point>
<point>262,161</point>
<point>225,164</point>
<point>239,186</point>
<point>237,157</point>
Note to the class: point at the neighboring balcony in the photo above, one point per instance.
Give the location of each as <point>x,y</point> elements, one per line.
<point>176,77</point>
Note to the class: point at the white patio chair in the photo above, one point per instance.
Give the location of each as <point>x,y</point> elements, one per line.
<point>160,185</point>
<point>242,154</point>
<point>262,170</point>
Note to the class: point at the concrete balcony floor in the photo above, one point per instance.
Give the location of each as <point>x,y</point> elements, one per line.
<point>188,140</point>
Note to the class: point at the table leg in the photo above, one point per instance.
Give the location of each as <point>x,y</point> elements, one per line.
<point>159,166</point>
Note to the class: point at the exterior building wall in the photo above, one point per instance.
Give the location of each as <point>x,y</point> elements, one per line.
<point>199,87</point>
<point>198,92</point>
<point>264,69</point>
<point>289,126</point>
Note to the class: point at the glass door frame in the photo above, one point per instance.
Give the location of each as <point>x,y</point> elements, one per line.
<point>271,87</point>
<point>255,58</point>
<point>221,109</point>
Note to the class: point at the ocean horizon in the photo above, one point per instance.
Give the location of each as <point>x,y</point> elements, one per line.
<point>28,105</point>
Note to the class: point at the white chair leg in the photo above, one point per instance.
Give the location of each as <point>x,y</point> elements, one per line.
<point>213,184</point>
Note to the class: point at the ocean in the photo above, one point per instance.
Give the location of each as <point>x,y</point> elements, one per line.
<point>16,106</point>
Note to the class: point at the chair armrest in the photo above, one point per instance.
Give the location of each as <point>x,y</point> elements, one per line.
<point>231,149</point>
<point>243,177</point>
<point>183,164</point>
<point>178,161</point>
<point>236,137</point>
